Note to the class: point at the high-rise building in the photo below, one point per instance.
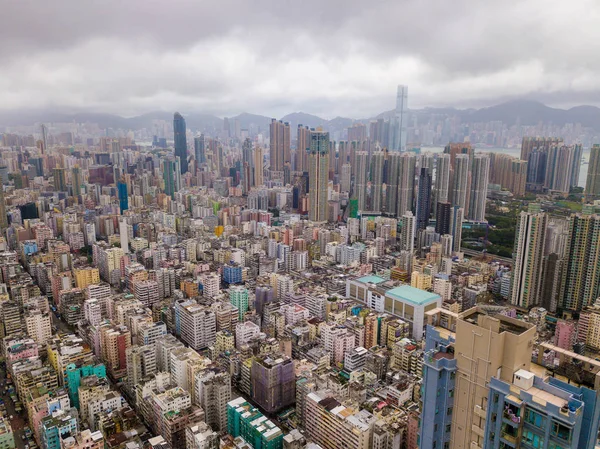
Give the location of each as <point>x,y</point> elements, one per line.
<point>248,422</point>
<point>391,182</point>
<point>528,257</point>
<point>3,215</point>
<point>423,198</point>
<point>179,131</point>
<point>377,166</point>
<point>406,183</point>
<point>238,297</point>
<point>580,285</point>
<point>76,180</point>
<point>280,145</point>
<point>200,149</point>
<point>273,382</point>
<point>501,344</point>
<point>443,218</point>
<point>197,323</point>
<point>213,393</point>
<point>456,148</point>
<point>457,215</point>
<point>479,187</point>
<point>60,179</point>
<point>171,175</point>
<point>592,183</point>
<point>398,131</point>
<point>122,190</point>
<point>318,175</point>
<point>302,148</point>
<point>362,179</point>
<point>461,181</point>
<point>332,425</point>
<point>408,231</point>
<point>562,167</point>
<point>141,364</point>
<point>439,374</point>
<point>442,178</point>
<point>566,418</point>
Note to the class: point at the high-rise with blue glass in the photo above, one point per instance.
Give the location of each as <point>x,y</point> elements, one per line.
<point>180,141</point>
<point>123,195</point>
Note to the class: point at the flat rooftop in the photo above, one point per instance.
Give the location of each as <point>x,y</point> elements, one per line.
<point>413,295</point>
<point>371,279</point>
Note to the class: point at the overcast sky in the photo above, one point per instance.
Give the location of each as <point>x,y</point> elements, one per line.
<point>325,57</point>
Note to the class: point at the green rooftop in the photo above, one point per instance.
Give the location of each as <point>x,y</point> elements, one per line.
<point>371,280</point>
<point>413,295</point>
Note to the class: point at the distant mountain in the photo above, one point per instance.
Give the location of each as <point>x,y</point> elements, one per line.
<point>525,112</point>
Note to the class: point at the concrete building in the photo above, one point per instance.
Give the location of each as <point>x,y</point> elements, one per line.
<point>273,382</point>
<point>332,425</point>
<point>198,324</point>
<point>318,159</point>
<point>244,420</point>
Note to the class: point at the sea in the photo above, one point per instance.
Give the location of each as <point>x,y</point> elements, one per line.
<point>516,152</point>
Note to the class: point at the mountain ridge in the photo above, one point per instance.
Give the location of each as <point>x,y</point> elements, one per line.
<point>522,111</point>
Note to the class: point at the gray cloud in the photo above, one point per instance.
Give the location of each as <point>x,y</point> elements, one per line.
<point>272,57</point>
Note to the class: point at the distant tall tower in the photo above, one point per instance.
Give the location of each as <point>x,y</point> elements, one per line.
<point>171,175</point>
<point>399,127</point>
<point>361,180</point>
<point>258,166</point>
<point>528,257</point>
<point>44,138</point>
<point>391,191</point>
<point>179,130</point>
<point>460,181</point>
<point>408,231</point>
<point>76,180</point>
<point>406,183</point>
<point>377,164</point>
<point>200,149</point>
<point>60,181</point>
<point>442,179</point>
<point>122,190</point>
<point>442,219</point>
<point>280,145</point>
<point>302,147</point>
<point>319,175</point>
<point>479,185</point>
<point>457,215</point>
<point>423,198</point>
<point>3,216</point>
<point>592,183</point>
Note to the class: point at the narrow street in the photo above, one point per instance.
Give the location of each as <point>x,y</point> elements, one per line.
<point>19,420</point>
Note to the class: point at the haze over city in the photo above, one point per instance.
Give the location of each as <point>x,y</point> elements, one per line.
<point>333,58</point>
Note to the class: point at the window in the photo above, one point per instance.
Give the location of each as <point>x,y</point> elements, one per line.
<point>496,396</point>
<point>552,445</point>
<point>535,418</point>
<point>440,375</point>
<point>449,412</point>
<point>434,444</point>
<point>451,393</point>
<point>533,439</point>
<point>561,431</point>
<point>453,375</point>
<point>435,427</point>
<point>448,427</point>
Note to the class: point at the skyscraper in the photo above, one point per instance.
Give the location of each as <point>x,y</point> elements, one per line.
<point>423,198</point>
<point>122,190</point>
<point>592,183</point>
<point>76,180</point>
<point>443,218</point>
<point>442,178</point>
<point>302,148</point>
<point>280,144</point>
<point>528,257</point>
<point>406,183</point>
<point>3,216</point>
<point>60,181</point>
<point>179,130</point>
<point>479,187</point>
<point>362,179</point>
<point>391,191</point>
<point>273,382</point>
<point>377,164</point>
<point>457,215</point>
<point>318,175</point>
<point>408,231</point>
<point>398,130</point>
<point>200,149</point>
<point>171,175</point>
<point>580,285</point>
<point>562,167</point>
<point>258,166</point>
